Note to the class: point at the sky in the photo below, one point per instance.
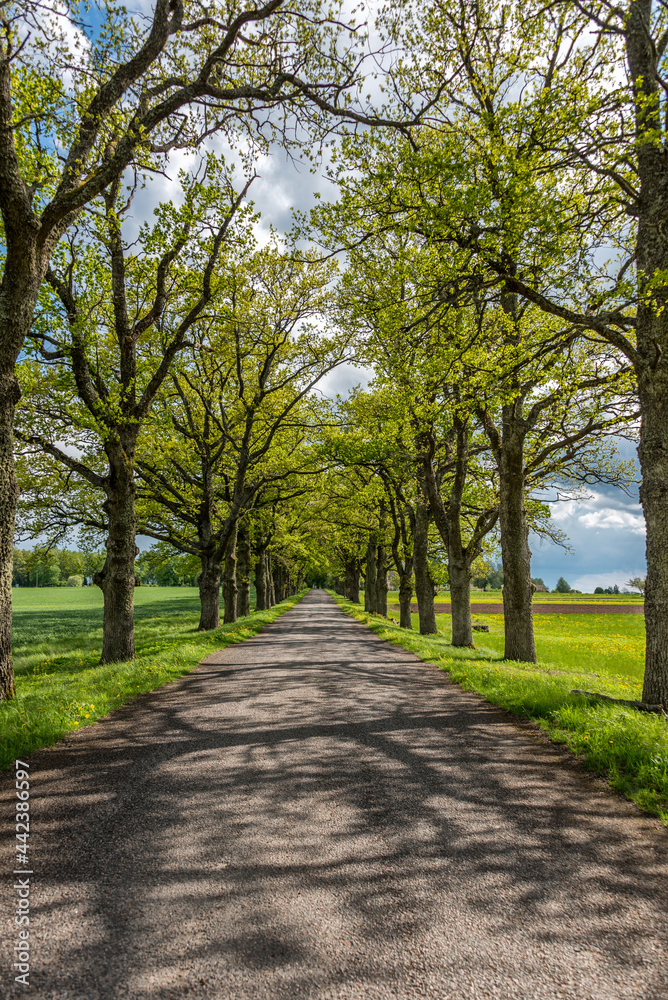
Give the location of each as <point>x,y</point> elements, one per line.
<point>605,531</point>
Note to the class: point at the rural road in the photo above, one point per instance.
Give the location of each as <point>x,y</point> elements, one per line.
<point>316,814</point>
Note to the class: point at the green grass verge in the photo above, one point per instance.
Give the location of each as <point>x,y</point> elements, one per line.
<point>627,747</point>
<point>57,640</point>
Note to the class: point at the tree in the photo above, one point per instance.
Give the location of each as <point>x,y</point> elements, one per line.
<point>465,195</point>
<point>638,583</point>
<point>142,89</point>
<point>126,308</point>
<point>589,129</point>
<point>562,586</point>
<point>238,406</point>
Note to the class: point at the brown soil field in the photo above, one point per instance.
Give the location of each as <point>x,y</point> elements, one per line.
<point>542,609</point>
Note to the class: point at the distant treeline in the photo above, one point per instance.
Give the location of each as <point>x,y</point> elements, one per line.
<point>52,567</point>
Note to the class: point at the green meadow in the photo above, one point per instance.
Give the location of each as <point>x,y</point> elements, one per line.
<point>598,652</point>
<point>57,640</point>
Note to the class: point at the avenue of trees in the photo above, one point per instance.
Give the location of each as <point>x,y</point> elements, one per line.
<point>496,252</point>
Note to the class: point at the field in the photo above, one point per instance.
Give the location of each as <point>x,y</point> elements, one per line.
<point>593,652</point>
<point>602,644</point>
<point>57,639</point>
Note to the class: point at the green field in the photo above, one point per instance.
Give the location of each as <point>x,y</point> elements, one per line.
<point>601,645</point>
<point>593,652</point>
<point>57,640</point>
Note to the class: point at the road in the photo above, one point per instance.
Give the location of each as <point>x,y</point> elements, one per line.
<point>316,814</point>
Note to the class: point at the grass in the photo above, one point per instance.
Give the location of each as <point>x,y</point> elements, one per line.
<point>496,597</point>
<point>602,653</point>
<point>57,640</point>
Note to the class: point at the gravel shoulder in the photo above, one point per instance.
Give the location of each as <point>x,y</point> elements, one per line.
<point>317,814</point>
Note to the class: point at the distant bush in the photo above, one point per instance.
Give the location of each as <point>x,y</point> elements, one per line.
<point>76,580</point>
<point>563,586</point>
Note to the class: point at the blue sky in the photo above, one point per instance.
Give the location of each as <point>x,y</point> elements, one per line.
<point>605,531</point>
<point>607,538</point>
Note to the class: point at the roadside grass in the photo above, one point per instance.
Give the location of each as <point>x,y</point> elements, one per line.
<point>57,641</point>
<point>600,653</point>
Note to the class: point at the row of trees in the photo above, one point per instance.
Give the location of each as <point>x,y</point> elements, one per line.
<point>509,348</point>
<point>53,567</point>
<point>88,114</point>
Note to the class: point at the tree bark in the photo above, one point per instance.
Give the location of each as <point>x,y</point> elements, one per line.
<point>117,577</point>
<point>261,580</point>
<point>515,552</point>
<point>370,581</point>
<point>271,591</point>
<point>406,595</point>
<point>353,580</point>
<point>277,578</point>
<point>424,584</point>
<point>209,594</point>
<point>651,358</point>
<point>243,572</point>
<point>460,556</point>
<point>448,518</point>
<point>230,580</point>
<point>460,601</point>
<point>9,397</point>
<point>381,581</point>
<point>653,455</point>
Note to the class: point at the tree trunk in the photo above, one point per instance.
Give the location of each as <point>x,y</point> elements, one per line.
<point>651,361</point>
<point>424,584</point>
<point>370,581</point>
<point>230,580</point>
<point>243,573</point>
<point>653,454</point>
<point>353,580</point>
<point>279,582</point>
<point>381,581</point>
<point>9,397</point>
<point>448,518</point>
<point>117,577</point>
<point>261,580</point>
<point>405,595</point>
<point>515,552</point>
<point>209,594</point>
<point>271,591</point>
<point>460,600</point>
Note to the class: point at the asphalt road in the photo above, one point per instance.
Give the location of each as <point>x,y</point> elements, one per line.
<point>317,814</point>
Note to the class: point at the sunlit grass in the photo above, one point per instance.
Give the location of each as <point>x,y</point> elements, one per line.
<point>601,653</point>
<point>57,644</point>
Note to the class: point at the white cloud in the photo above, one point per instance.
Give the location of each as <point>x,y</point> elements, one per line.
<point>619,520</point>
<point>342,379</point>
<point>590,581</point>
<point>599,510</point>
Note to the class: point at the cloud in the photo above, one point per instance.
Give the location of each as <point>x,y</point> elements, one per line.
<point>605,530</point>
<point>593,503</point>
<point>590,582</point>
<point>341,380</point>
<point>608,517</point>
